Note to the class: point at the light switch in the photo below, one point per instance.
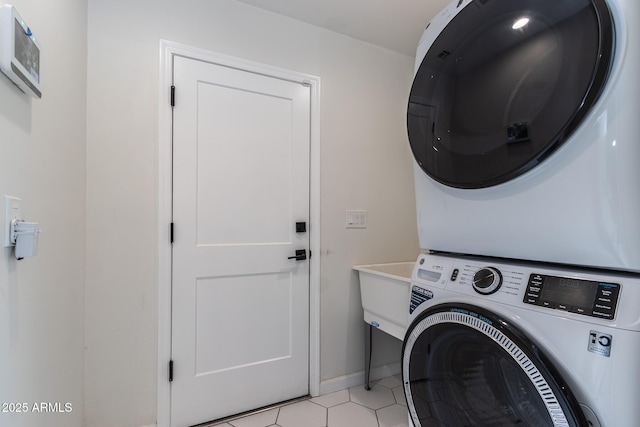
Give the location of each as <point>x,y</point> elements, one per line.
<point>12,210</point>
<point>356,219</point>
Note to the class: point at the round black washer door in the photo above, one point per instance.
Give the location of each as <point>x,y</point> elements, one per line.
<point>504,85</point>
<point>465,366</point>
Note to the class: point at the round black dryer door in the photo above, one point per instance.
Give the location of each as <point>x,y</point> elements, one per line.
<point>464,366</point>
<point>504,84</point>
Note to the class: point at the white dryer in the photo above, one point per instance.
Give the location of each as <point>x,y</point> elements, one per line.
<point>521,344</point>
<point>523,119</point>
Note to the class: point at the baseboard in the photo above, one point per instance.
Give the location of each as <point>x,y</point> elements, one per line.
<point>357,378</point>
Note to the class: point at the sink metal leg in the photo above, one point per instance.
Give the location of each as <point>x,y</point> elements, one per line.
<point>367,354</point>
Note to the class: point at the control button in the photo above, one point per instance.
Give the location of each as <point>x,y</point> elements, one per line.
<point>579,310</point>
<point>536,280</point>
<point>454,275</point>
<point>487,280</point>
<point>601,314</point>
<point>607,294</point>
<point>534,289</point>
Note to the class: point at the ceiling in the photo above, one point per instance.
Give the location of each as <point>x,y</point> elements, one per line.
<point>392,24</point>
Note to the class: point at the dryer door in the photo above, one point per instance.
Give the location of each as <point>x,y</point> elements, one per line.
<point>465,366</point>
<point>504,84</point>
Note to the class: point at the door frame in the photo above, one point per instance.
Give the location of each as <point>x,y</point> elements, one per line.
<point>168,50</point>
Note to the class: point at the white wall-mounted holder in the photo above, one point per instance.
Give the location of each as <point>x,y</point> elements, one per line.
<point>24,236</point>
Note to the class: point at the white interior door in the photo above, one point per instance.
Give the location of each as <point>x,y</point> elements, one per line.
<point>240,306</point>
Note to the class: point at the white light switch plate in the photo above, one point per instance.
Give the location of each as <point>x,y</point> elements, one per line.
<point>356,219</point>
<point>12,210</point>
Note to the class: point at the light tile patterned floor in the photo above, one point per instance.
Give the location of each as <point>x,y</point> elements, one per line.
<point>382,406</point>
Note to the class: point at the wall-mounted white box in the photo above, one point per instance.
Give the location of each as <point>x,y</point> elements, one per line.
<point>25,236</point>
<point>19,52</point>
<point>356,219</point>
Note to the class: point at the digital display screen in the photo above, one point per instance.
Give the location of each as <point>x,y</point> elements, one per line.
<point>565,291</point>
<point>26,52</point>
<point>586,297</point>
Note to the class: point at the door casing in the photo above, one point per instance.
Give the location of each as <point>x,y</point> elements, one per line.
<point>168,50</point>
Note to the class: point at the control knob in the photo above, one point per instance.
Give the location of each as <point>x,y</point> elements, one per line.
<point>487,280</point>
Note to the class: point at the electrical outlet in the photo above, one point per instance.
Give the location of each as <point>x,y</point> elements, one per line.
<point>12,210</point>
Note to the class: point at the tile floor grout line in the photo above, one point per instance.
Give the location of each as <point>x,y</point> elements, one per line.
<point>353,396</point>
<point>229,420</point>
<point>326,417</point>
<point>278,414</point>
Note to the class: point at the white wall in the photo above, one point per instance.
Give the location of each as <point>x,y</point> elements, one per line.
<point>42,161</point>
<point>365,164</point>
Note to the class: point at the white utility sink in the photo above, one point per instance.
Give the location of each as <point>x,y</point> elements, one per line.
<point>385,295</point>
<point>384,289</point>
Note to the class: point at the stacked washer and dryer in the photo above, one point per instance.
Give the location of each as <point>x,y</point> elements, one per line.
<point>524,121</point>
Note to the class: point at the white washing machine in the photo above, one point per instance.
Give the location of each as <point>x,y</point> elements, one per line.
<point>521,344</point>
<point>523,120</point>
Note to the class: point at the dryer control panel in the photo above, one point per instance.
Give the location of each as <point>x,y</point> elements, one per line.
<point>575,295</point>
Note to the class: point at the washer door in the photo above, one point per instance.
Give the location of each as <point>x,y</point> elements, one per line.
<point>465,366</point>
<point>504,85</point>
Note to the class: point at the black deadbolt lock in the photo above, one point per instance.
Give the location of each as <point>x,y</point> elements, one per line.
<point>301,227</point>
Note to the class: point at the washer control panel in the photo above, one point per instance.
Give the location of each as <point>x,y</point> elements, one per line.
<point>584,292</point>
<point>586,297</point>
